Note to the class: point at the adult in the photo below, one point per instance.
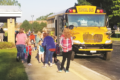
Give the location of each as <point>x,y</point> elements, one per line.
<point>48,42</point>
<point>2,35</point>
<point>38,38</point>
<point>66,44</point>
<point>2,31</point>
<point>20,44</point>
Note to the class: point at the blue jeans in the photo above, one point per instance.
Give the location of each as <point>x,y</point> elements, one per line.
<point>20,50</point>
<point>48,56</point>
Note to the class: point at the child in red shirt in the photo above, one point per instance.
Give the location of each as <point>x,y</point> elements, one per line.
<point>29,52</point>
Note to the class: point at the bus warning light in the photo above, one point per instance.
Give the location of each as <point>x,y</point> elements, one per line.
<point>74,11</point>
<point>70,10</point>
<point>101,10</point>
<point>98,11</point>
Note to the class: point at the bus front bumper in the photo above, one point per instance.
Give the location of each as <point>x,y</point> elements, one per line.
<point>95,49</point>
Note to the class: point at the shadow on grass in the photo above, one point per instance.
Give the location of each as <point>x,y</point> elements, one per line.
<point>9,68</point>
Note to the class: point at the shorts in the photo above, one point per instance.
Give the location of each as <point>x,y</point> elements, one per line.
<point>41,52</point>
<point>54,55</point>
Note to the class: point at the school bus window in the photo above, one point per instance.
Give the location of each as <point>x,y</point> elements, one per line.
<point>86,20</point>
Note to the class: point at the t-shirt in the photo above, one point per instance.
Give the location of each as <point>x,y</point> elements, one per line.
<point>21,38</point>
<point>29,50</point>
<point>37,39</point>
<point>41,49</point>
<point>32,37</point>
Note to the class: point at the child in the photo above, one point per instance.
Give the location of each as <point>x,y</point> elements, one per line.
<point>25,53</point>
<point>55,53</point>
<point>29,52</point>
<point>41,52</point>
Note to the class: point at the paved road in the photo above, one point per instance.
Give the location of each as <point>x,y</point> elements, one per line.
<point>110,68</point>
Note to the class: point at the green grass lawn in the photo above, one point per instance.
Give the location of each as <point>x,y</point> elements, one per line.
<point>9,68</point>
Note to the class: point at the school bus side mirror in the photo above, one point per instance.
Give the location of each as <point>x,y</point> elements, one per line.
<point>71,26</point>
<point>107,22</point>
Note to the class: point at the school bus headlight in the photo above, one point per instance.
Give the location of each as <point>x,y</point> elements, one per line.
<point>78,42</point>
<point>108,41</point>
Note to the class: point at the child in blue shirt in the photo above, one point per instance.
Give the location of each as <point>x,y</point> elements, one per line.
<point>41,52</point>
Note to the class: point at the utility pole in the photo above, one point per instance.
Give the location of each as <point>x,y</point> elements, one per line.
<point>32,21</point>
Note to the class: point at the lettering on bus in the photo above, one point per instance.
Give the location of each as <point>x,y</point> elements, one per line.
<point>86,9</point>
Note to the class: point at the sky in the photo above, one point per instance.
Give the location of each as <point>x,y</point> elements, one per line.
<point>42,7</point>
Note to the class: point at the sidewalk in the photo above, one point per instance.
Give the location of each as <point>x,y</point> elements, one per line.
<point>77,71</point>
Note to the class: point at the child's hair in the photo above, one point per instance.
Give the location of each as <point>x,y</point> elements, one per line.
<point>39,34</point>
<point>40,41</point>
<point>44,29</point>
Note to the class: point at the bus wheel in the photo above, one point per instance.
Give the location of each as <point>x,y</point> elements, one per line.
<point>72,55</point>
<point>107,56</point>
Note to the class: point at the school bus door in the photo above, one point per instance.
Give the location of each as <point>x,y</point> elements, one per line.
<point>58,26</point>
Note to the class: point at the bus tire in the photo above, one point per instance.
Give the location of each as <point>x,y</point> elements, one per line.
<point>72,55</point>
<point>107,56</point>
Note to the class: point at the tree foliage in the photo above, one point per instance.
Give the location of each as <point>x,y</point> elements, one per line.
<point>33,26</point>
<point>112,8</point>
<point>44,17</point>
<point>83,2</point>
<point>9,2</point>
<point>26,25</point>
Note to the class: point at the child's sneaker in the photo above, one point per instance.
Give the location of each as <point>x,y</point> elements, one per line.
<point>45,66</point>
<point>29,64</point>
<point>59,71</point>
<point>50,64</point>
<point>66,71</point>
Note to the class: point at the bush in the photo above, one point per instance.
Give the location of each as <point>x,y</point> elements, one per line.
<point>4,45</point>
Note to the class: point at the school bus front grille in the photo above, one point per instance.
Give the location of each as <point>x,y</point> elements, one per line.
<point>92,38</point>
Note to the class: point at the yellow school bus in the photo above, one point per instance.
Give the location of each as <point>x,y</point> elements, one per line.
<point>89,27</point>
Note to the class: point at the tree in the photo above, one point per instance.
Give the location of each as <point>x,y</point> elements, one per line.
<point>83,2</point>
<point>38,27</point>
<point>26,25</point>
<point>44,17</point>
<point>115,12</point>
<point>9,2</point>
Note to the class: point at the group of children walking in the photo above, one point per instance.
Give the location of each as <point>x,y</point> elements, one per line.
<point>40,49</point>
<point>45,46</point>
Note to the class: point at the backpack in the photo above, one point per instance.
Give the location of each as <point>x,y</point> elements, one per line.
<point>25,50</point>
<point>57,51</point>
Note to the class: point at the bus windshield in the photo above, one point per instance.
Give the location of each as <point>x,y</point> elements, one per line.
<point>86,20</point>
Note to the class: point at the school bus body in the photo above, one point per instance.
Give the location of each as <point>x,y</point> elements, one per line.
<point>89,30</point>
